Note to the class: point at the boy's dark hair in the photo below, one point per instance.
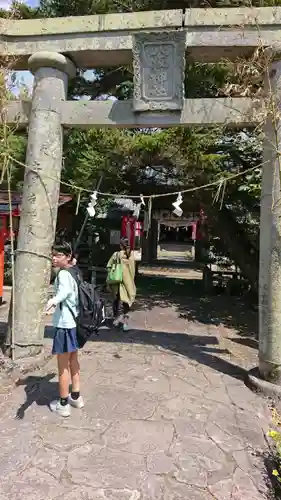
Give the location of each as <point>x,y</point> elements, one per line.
<point>63,247</point>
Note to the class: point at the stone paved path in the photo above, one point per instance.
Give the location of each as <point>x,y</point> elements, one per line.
<point>167,417</point>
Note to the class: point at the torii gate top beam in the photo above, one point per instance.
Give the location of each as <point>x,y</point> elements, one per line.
<point>107,40</point>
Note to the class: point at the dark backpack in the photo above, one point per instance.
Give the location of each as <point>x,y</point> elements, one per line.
<point>90,306</point>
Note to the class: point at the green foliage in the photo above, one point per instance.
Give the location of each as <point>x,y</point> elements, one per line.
<point>15,146</point>
<point>252,184</point>
<point>88,154</point>
<point>205,80</point>
<point>161,160</point>
<point>52,8</point>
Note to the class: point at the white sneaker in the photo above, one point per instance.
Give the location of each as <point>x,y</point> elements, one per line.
<point>62,411</point>
<point>76,403</point>
<point>126,327</point>
<point>125,323</point>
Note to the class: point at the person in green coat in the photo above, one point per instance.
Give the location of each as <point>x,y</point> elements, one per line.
<point>124,293</point>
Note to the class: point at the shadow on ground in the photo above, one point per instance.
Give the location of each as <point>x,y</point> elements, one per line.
<point>39,390</point>
<point>193,304</point>
<point>204,350</point>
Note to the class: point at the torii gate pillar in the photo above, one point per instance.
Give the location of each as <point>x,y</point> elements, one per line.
<point>40,199</point>
<point>270,232</point>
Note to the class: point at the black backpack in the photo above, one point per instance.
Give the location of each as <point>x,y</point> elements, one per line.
<point>90,306</point>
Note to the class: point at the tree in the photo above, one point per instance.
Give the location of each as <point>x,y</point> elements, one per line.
<point>16,147</point>
<point>156,160</point>
<point>58,8</point>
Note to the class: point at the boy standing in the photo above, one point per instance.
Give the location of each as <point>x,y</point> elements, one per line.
<point>64,307</point>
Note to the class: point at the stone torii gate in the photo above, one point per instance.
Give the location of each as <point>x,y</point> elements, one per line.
<point>158,43</point>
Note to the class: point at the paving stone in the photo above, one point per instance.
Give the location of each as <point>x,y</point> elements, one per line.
<point>110,379</point>
<point>61,437</point>
<point>251,428</point>
<point>141,378</point>
<point>86,370</point>
<point>196,377</point>
<point>111,363</point>
<point>88,493</point>
<point>160,463</point>
<point>218,395</point>
<point>104,468</point>
<point>246,488</point>
<point>53,461</point>
<point>153,487</point>
<point>139,437</point>
<point>111,404</point>
<point>200,461</point>
<point>239,424</point>
<point>166,417</point>
<point>153,382</point>
<point>157,488</point>
<point>193,471</point>
<point>32,484</point>
<point>192,426</point>
<point>224,440</point>
<point>240,487</point>
<point>244,399</point>
<point>168,363</point>
<point>183,407</point>
<point>18,444</point>
<point>222,490</point>
<point>180,386</point>
<point>177,491</point>
<point>251,464</point>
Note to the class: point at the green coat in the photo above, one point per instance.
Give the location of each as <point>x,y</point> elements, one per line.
<point>127,287</point>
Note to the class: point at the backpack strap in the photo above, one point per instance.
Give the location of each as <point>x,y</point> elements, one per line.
<point>72,313</point>
<point>76,274</point>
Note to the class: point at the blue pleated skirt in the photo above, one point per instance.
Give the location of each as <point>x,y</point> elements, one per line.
<point>65,340</point>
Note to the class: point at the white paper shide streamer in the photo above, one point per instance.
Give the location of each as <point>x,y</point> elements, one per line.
<point>91,206</point>
<point>177,209</point>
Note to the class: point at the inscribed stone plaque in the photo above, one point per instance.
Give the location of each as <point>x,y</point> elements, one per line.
<point>159,64</point>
